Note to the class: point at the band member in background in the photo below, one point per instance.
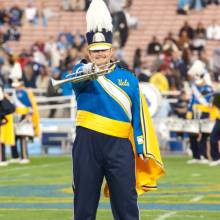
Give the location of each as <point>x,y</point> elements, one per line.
<point>114,133</point>
<point>27,119</point>
<point>201,94</point>
<point>214,114</point>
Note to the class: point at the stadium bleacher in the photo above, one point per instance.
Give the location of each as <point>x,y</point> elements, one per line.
<point>155,17</point>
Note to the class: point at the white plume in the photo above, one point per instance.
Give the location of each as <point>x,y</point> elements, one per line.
<point>98,17</point>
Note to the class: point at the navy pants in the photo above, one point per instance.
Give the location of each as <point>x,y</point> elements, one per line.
<point>215,137</point>
<point>194,146</point>
<point>95,156</point>
<point>199,148</point>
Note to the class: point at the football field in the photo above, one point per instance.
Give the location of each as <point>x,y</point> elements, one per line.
<point>42,191</point>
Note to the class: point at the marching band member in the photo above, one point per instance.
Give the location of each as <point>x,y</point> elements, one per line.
<point>201,94</point>
<point>114,133</point>
<point>214,114</point>
<point>26,112</point>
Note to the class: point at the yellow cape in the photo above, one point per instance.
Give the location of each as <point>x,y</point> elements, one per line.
<point>7,135</point>
<point>35,115</point>
<point>147,172</point>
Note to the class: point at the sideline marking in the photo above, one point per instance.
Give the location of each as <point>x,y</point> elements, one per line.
<point>196,174</point>
<point>166,215</point>
<point>197,198</point>
<point>32,166</point>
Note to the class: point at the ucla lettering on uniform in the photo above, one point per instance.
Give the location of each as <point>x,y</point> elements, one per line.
<point>122,82</point>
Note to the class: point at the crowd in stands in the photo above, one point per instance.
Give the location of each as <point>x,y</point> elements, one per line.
<point>56,56</point>
<point>173,57</point>
<point>185,6</point>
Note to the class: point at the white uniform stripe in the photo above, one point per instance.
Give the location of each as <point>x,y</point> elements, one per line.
<point>17,102</point>
<point>118,95</point>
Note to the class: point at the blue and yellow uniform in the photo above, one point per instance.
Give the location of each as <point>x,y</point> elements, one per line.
<point>113,105</point>
<point>25,107</point>
<point>201,96</point>
<point>112,117</point>
<point>214,115</point>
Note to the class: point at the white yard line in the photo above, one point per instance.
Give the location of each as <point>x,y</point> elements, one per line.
<point>31,166</point>
<point>166,215</point>
<point>196,174</point>
<point>197,198</point>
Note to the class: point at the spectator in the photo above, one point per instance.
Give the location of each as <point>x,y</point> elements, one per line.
<point>184,41</point>
<point>2,79</point>
<point>154,46</point>
<point>120,24</point>
<point>44,13</point>
<point>39,56</point>
<point>77,5</point>
<point>198,4</point>
<point>170,37</point>
<point>31,13</point>
<point>67,34</point>
<point>42,80</point>
<point>72,5</point>
<point>2,36</point>
<point>183,7</point>
<point>160,80</point>
<point>186,56</point>
<point>65,5</point>
<point>144,74</point>
<point>51,52</point>
<point>63,44</point>
<point>137,59</point>
<point>180,107</point>
<point>213,31</point>
<point>24,58</point>
<point>199,41</point>
<point>15,67</point>
<point>15,15</point>
<point>208,2</point>
<point>179,65</point>
<point>29,76</point>
<point>200,31</point>
<point>12,34</point>
<point>39,44</point>
<point>203,56</point>
<point>132,21</point>
<point>215,64</point>
<point>188,29</point>
<point>3,14</point>
<point>116,5</point>
<point>169,43</point>
<point>79,41</point>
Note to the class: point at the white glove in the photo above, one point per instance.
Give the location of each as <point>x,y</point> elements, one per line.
<point>88,68</point>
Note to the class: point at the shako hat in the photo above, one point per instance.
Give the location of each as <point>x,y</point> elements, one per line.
<point>99,26</point>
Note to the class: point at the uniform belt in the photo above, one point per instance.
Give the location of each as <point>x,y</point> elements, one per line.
<point>102,124</point>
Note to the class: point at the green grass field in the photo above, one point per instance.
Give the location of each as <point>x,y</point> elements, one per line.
<point>42,191</point>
